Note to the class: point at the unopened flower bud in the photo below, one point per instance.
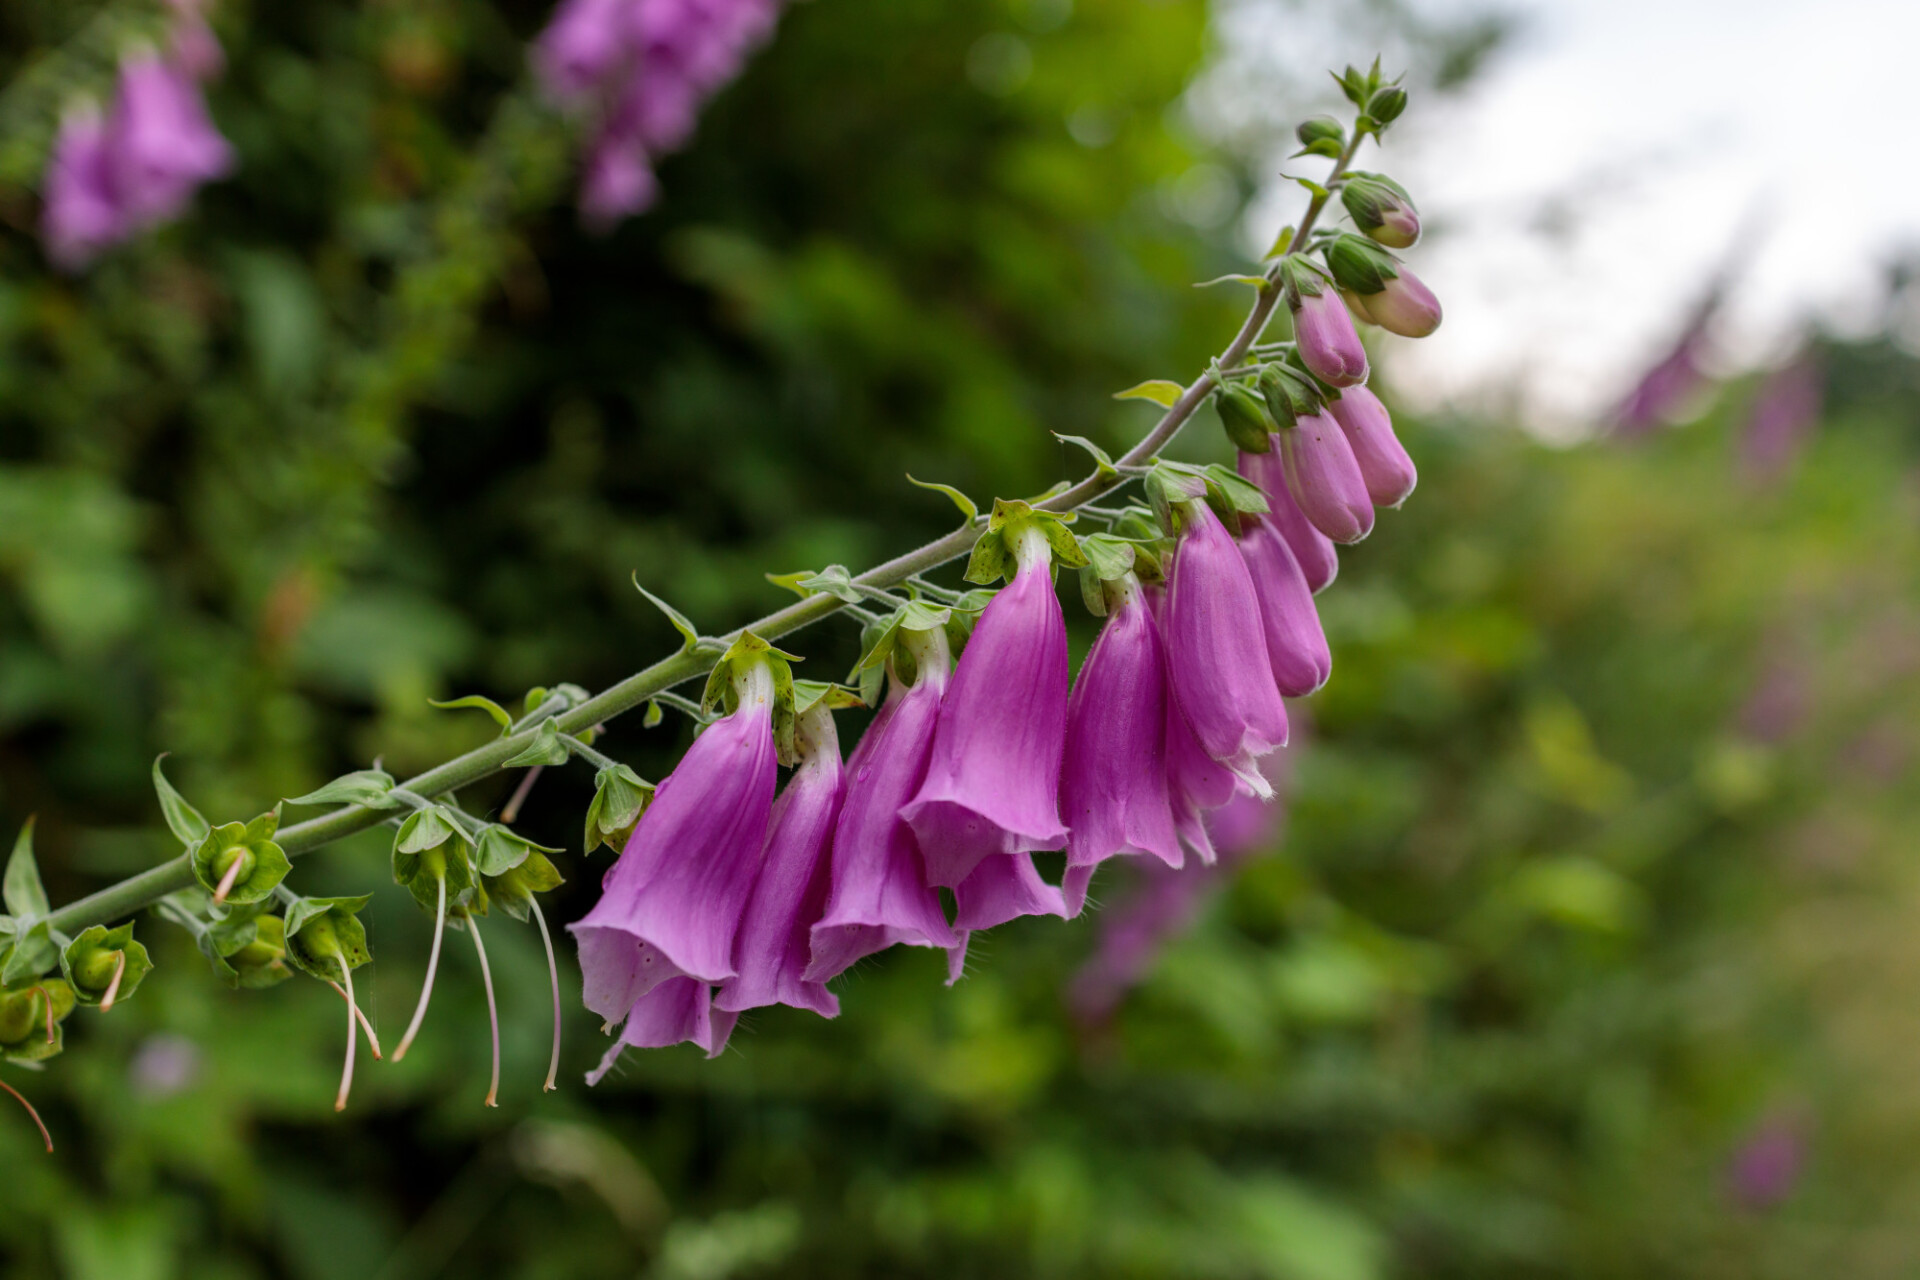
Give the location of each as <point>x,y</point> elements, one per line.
<point>263,962</point>
<point>1327,341</point>
<point>1289,396</point>
<point>1360,266</point>
<point>1243,419</point>
<point>1322,135</point>
<point>1405,306</point>
<point>1381,208</point>
<point>1386,105</point>
<point>1384,463</point>
<point>1325,480</point>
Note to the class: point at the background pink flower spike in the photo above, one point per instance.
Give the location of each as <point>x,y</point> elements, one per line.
<point>1324,478</point>
<point>1296,643</point>
<point>993,780</point>
<point>1384,465</point>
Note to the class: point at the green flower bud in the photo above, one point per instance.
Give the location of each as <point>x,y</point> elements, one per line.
<point>238,863</point>
<point>263,961</point>
<point>1380,207</point>
<point>1359,265</point>
<point>321,933</point>
<point>620,797</point>
<point>25,1019</point>
<point>1321,136</point>
<point>1386,105</point>
<point>1243,419</point>
<point>1290,395</point>
<point>105,966</point>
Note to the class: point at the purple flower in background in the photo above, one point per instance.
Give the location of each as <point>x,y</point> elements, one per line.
<point>1405,306</point>
<point>1324,478</point>
<point>774,945</point>
<point>1217,651</point>
<point>162,144</point>
<point>584,43</point>
<point>194,48</point>
<point>1384,465</point>
<point>1663,389</point>
<point>82,215</point>
<point>1329,344</point>
<point>1767,1166</point>
<point>618,182</point>
<point>1312,550</point>
<point>672,903</point>
<point>1784,414</point>
<point>1113,780</point>
<point>993,781</point>
<point>1296,643</point>
<point>878,894</point>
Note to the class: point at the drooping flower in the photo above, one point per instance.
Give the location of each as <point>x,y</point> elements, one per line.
<point>583,45</point>
<point>1296,643</point>
<point>678,1010</point>
<point>1221,675</point>
<point>81,215</point>
<point>993,780</point>
<point>673,902</point>
<point>878,893</point>
<point>1113,781</point>
<point>1312,549</point>
<point>1002,888</point>
<point>162,144</point>
<point>1329,344</point>
<point>1324,478</point>
<point>1384,465</point>
<point>193,47</point>
<point>1786,411</point>
<point>1404,306</point>
<point>775,941</point>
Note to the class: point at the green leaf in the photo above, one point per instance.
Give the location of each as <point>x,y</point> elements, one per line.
<point>1315,189</point>
<point>425,829</point>
<point>1281,243</point>
<point>21,888</point>
<point>1258,282</point>
<point>1092,594</point>
<point>689,638</point>
<point>1103,464</point>
<point>1107,556</point>
<point>653,715</point>
<point>967,507</point>
<point>35,950</point>
<point>808,694</point>
<point>834,580</point>
<point>368,788</point>
<point>182,818</point>
<point>501,850</point>
<point>1328,147</point>
<point>1160,391</point>
<point>546,747</point>
<point>488,705</point>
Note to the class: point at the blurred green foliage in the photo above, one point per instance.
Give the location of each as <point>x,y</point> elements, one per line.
<point>1595,862</point>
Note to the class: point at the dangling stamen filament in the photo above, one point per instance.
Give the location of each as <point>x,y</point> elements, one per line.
<point>493,1011</point>
<point>48,997</point>
<point>38,1122</point>
<point>353,1036</point>
<point>373,1041</point>
<point>225,886</point>
<point>433,964</point>
<point>553,971</point>
<point>113,987</point>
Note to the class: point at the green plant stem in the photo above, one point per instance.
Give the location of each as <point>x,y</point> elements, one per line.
<point>130,895</point>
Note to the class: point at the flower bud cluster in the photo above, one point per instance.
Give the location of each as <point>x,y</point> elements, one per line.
<point>642,69</point>
<point>115,174</point>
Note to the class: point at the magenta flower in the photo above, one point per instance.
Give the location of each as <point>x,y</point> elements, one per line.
<point>774,945</point>
<point>1329,344</point>
<point>1324,478</point>
<point>583,46</point>
<point>1113,781</point>
<point>1405,306</point>
<point>161,142</point>
<point>878,893</point>
<point>1296,644</point>
<point>618,182</point>
<point>1384,464</point>
<point>1217,650</point>
<point>82,215</point>
<point>194,48</point>
<point>672,904</point>
<point>1312,549</point>
<point>993,782</point>
<point>998,890</point>
<point>1784,415</point>
<point>676,1010</point>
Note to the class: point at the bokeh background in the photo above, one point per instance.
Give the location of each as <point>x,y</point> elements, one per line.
<point>1589,947</point>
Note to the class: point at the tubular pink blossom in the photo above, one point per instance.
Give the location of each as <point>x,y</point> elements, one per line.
<point>773,947</point>
<point>82,215</point>
<point>878,893</point>
<point>1313,550</point>
<point>675,1010</point>
<point>1329,344</point>
<point>1384,464</point>
<point>1324,478</point>
<point>161,143</point>
<point>583,46</point>
<point>1296,643</point>
<point>1406,306</point>
<point>1217,650</point>
<point>1113,781</point>
<point>618,182</point>
<point>993,780</point>
<point>673,902</point>
<point>1000,889</point>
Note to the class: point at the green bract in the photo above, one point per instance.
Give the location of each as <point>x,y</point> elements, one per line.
<point>244,855</point>
<point>369,787</point>
<point>28,944</point>
<point>993,558</point>
<point>514,888</point>
<point>1243,418</point>
<point>745,653</point>
<point>90,961</point>
<point>24,1036</point>
<point>261,960</point>
<point>322,932</point>
<point>620,796</point>
<point>429,848</point>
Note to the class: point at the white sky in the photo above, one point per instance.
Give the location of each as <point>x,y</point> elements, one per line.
<point>1582,191</point>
